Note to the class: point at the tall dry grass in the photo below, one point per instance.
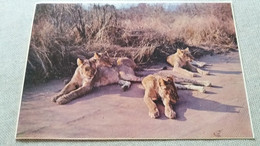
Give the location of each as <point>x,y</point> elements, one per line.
<point>195,24</point>
<point>63,32</point>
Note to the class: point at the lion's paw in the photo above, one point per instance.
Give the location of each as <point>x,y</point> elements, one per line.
<point>207,84</point>
<point>169,113</point>
<point>62,100</point>
<point>202,90</point>
<point>205,73</point>
<point>54,98</point>
<point>201,64</point>
<point>194,75</point>
<point>154,114</point>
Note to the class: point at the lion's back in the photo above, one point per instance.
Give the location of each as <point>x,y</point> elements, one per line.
<point>106,76</point>
<point>126,61</point>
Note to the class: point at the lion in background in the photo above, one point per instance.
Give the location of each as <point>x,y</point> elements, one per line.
<point>181,62</point>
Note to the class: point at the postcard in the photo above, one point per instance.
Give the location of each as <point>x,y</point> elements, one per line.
<point>154,70</point>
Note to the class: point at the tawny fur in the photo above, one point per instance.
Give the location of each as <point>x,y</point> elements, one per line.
<point>181,61</point>
<point>123,66</point>
<point>100,72</point>
<point>157,87</point>
<point>80,84</point>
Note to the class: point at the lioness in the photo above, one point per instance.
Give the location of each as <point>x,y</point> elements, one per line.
<point>123,65</point>
<point>157,87</point>
<point>80,84</point>
<point>181,83</point>
<point>181,59</point>
<point>102,59</point>
<point>95,72</point>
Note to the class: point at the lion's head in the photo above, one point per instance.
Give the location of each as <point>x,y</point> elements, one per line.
<point>87,68</point>
<point>102,60</point>
<point>185,54</point>
<point>167,89</point>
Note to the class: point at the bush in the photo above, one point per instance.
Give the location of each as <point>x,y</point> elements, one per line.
<point>146,32</point>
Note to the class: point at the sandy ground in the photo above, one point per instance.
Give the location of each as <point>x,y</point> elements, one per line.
<point>109,113</point>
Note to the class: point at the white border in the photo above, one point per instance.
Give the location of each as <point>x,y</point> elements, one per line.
<point>242,69</point>
<point>134,2</point>
<point>24,73</point>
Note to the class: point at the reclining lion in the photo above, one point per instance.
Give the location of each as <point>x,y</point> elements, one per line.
<point>96,72</point>
<point>81,83</point>
<point>181,61</point>
<point>122,63</point>
<point>158,87</point>
<point>123,66</point>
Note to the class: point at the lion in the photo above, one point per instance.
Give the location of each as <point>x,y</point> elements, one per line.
<point>95,72</point>
<point>158,87</point>
<point>180,83</point>
<point>80,84</point>
<point>182,59</point>
<point>103,59</point>
<point>123,66</point>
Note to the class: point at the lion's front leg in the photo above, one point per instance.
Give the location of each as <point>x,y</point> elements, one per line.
<point>74,94</point>
<point>198,63</point>
<point>202,72</point>
<point>195,69</point>
<point>184,71</point>
<point>67,89</point>
<point>153,110</point>
<point>168,111</point>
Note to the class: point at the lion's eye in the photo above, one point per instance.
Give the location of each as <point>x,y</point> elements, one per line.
<point>87,69</point>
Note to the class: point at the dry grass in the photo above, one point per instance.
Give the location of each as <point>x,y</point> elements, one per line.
<point>61,33</point>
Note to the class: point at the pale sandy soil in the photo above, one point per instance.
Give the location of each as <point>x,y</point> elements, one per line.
<point>109,113</point>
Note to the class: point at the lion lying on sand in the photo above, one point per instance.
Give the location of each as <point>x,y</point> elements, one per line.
<point>181,61</point>
<point>96,72</point>
<point>157,87</point>
<point>123,62</point>
<point>81,83</point>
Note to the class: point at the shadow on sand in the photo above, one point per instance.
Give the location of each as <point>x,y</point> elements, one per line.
<point>188,101</point>
<point>225,72</point>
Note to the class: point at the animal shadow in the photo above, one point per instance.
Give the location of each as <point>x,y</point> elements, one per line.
<point>188,101</point>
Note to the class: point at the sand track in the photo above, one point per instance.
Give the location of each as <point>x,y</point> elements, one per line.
<point>108,112</point>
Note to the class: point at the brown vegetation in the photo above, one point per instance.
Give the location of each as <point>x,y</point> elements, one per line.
<point>63,32</point>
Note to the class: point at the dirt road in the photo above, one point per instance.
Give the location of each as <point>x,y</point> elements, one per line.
<point>109,113</point>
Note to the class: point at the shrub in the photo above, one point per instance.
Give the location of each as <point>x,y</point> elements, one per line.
<point>146,32</point>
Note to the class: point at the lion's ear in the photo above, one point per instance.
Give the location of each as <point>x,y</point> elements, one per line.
<point>93,61</point>
<point>96,55</point>
<point>187,49</point>
<point>79,61</point>
<point>179,51</point>
<point>162,82</point>
<point>170,79</point>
